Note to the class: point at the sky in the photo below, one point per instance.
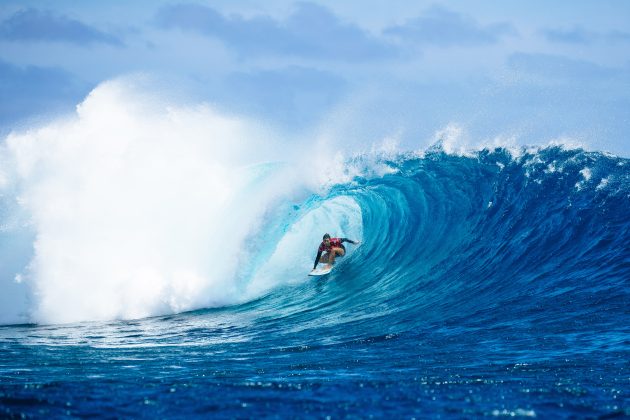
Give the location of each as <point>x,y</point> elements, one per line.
<point>530,72</point>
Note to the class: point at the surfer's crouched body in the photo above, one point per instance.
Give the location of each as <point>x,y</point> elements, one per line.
<point>333,248</point>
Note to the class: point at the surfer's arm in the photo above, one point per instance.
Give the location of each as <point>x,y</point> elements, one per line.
<point>319,255</point>
<point>348,240</point>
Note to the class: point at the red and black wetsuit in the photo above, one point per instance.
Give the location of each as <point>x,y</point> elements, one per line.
<point>334,243</point>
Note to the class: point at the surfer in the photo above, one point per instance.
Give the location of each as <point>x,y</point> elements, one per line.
<point>333,248</point>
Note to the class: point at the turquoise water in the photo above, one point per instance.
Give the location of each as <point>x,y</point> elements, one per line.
<point>485,285</point>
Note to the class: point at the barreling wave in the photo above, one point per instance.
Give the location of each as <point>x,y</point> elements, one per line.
<point>484,240</point>
<point>175,212</point>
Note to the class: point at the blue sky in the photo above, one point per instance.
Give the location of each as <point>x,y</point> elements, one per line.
<point>535,70</point>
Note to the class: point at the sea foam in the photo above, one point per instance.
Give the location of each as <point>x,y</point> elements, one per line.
<point>138,207</point>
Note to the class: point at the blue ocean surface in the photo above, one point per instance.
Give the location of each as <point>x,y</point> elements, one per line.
<point>488,284</point>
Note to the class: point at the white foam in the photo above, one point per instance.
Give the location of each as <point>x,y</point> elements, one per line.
<point>603,183</point>
<point>586,175</point>
<point>139,208</point>
<point>455,140</point>
<point>519,412</point>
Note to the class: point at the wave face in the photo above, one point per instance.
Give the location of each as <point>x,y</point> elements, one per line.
<point>489,284</point>
<point>455,237</point>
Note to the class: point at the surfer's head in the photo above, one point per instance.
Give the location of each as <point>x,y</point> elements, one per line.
<point>326,238</point>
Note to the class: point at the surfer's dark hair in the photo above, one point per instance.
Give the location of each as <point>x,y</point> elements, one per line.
<point>326,236</point>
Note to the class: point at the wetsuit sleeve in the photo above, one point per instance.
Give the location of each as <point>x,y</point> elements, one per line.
<point>347,240</point>
<point>319,255</point>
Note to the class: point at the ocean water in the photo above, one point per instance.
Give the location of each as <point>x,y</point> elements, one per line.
<point>492,283</point>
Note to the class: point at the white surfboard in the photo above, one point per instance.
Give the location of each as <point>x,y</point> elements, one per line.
<point>320,271</point>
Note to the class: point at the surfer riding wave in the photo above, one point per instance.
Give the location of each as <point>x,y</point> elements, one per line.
<point>333,247</point>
